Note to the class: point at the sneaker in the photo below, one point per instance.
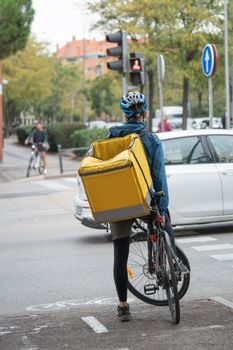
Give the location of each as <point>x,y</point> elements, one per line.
<point>45,171</point>
<point>124,314</point>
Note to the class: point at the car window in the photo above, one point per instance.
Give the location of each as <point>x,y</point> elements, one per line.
<point>187,150</point>
<point>223,145</point>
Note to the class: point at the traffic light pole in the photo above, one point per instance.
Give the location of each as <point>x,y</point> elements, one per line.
<point>124,85</point>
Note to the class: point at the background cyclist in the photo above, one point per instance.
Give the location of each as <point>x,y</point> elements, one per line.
<point>134,106</point>
<point>39,137</point>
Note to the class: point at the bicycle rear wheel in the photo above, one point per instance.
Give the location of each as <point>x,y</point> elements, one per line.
<point>169,282</point>
<point>140,280</point>
<point>41,166</point>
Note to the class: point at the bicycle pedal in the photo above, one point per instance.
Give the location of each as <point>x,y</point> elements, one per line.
<point>150,289</point>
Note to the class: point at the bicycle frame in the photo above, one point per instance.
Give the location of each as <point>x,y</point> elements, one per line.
<point>35,160</point>
<point>156,234</point>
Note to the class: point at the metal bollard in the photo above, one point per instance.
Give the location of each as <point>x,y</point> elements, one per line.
<point>60,158</point>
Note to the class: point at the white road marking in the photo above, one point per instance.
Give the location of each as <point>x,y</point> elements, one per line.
<point>196,239</point>
<point>6,332</point>
<point>67,304</point>
<point>52,185</point>
<point>213,247</point>
<point>223,257</point>
<point>70,179</point>
<point>223,301</point>
<point>95,324</point>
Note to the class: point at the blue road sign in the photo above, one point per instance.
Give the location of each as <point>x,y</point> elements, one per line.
<point>209,60</point>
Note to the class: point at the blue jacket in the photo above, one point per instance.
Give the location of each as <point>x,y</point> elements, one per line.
<point>154,153</point>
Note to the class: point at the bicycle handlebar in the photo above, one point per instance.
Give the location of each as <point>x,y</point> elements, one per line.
<point>154,200</point>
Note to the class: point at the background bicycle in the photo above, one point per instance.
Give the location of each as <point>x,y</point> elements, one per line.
<point>35,161</point>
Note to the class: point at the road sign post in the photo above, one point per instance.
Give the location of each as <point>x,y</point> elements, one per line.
<point>161,74</point>
<point>226,59</point>
<point>209,66</point>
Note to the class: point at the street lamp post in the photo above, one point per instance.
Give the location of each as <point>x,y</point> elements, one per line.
<point>227,82</point>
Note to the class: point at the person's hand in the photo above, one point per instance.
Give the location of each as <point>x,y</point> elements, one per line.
<point>163,220</point>
<point>43,145</point>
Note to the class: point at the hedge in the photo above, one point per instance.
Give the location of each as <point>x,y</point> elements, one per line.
<point>58,134</point>
<point>84,138</point>
<point>23,132</point>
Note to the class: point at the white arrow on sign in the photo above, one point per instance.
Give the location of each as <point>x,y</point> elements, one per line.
<point>207,58</point>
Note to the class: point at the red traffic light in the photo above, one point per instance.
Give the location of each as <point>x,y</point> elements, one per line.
<point>135,65</point>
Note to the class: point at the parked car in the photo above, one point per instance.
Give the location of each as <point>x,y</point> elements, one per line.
<point>203,123</point>
<point>199,168</point>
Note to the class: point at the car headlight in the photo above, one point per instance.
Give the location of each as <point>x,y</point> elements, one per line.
<point>82,193</point>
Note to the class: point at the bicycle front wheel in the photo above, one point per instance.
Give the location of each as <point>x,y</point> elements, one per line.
<point>29,168</point>
<point>144,285</point>
<point>169,282</point>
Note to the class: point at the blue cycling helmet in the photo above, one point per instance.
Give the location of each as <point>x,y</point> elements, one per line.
<point>133,104</point>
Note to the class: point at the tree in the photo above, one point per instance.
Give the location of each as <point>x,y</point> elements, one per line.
<point>104,94</point>
<point>15,21</point>
<point>65,100</point>
<point>178,29</point>
<point>29,73</point>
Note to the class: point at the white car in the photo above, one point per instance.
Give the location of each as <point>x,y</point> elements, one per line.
<point>199,168</point>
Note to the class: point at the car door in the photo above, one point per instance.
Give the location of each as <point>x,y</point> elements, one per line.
<point>223,151</point>
<point>193,180</point>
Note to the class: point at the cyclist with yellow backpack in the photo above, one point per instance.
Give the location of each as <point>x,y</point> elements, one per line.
<point>134,106</point>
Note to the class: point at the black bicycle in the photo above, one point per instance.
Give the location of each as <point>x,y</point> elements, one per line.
<point>156,273</point>
<point>35,161</point>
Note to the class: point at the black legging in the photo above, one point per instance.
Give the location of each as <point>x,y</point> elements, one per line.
<point>121,253</point>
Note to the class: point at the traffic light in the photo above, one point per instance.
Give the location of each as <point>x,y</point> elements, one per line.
<point>120,51</point>
<point>137,69</point>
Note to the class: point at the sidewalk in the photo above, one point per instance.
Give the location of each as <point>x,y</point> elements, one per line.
<point>16,157</point>
<point>205,324</point>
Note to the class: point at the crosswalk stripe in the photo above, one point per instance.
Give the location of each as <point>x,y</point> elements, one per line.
<point>95,324</point>
<point>213,247</point>
<point>223,301</point>
<point>70,179</point>
<point>223,257</point>
<point>196,239</point>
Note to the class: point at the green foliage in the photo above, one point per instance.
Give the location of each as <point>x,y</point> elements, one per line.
<point>58,134</point>
<point>177,29</point>
<point>105,94</point>
<point>23,132</point>
<point>29,76</point>
<point>84,138</point>
<point>63,103</point>
<point>42,86</point>
<point>15,21</point>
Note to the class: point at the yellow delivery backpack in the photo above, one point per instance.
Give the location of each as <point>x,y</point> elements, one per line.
<point>116,178</point>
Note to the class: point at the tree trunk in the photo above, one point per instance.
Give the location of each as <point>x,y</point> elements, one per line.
<point>185,102</point>
<point>151,88</point>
